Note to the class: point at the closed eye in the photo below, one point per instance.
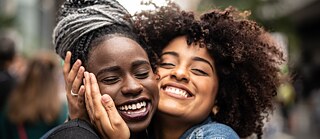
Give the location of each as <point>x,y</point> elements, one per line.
<point>167,65</point>
<point>110,80</point>
<point>199,72</point>
<point>143,75</point>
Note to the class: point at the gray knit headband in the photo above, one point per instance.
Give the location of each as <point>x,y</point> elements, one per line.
<point>79,17</point>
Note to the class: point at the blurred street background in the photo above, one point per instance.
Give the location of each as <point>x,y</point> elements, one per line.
<point>295,24</point>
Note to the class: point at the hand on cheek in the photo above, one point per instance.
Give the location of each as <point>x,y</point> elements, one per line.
<point>102,111</point>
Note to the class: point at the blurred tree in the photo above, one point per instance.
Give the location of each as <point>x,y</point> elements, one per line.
<point>6,22</point>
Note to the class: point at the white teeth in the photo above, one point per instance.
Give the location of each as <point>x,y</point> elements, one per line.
<point>176,91</point>
<point>142,110</point>
<point>135,106</point>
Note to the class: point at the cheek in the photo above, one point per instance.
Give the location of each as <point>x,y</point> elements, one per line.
<point>110,90</point>
<point>208,87</point>
<point>151,85</point>
<point>163,72</point>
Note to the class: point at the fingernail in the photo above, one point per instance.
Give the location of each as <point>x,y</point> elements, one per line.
<point>78,62</point>
<point>106,98</point>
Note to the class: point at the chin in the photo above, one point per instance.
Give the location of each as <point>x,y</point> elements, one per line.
<point>139,127</point>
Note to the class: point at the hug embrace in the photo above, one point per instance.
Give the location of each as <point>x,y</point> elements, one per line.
<point>164,73</point>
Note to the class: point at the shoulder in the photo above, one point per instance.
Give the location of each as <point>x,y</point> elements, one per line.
<point>74,129</point>
<point>213,130</point>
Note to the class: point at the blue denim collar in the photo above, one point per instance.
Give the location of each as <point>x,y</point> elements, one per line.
<point>190,130</point>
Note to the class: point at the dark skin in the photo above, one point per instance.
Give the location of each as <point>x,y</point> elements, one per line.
<point>246,58</point>
<point>120,73</point>
<point>123,71</point>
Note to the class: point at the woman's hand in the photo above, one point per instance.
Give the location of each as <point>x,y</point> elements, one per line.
<point>73,82</point>
<point>103,112</point>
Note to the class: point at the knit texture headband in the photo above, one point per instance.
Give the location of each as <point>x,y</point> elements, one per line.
<point>78,17</point>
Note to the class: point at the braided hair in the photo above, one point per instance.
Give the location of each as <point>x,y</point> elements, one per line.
<point>83,24</point>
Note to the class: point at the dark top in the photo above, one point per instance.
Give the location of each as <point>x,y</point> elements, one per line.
<point>74,129</point>
<point>35,130</point>
<point>7,84</point>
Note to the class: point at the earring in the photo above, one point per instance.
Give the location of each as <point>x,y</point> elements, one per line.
<point>215,109</point>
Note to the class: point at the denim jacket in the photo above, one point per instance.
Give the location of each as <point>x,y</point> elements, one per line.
<point>210,130</point>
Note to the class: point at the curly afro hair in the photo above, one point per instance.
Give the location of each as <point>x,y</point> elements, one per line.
<point>246,58</point>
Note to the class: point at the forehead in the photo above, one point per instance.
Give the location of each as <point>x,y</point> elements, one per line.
<point>116,50</point>
<point>180,46</point>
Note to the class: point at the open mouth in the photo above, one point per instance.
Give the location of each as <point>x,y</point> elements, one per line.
<point>135,111</point>
<point>177,92</point>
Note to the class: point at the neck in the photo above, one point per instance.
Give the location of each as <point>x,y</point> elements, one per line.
<point>140,135</point>
<point>168,127</point>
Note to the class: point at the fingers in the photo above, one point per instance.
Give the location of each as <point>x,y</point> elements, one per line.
<point>66,66</point>
<point>74,76</point>
<point>102,111</point>
<point>88,99</point>
<point>70,75</point>
<point>81,95</point>
<point>73,79</point>
<point>96,101</point>
<point>119,128</point>
<point>77,82</point>
<point>114,117</point>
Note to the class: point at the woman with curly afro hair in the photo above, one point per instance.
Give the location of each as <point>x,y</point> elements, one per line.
<point>245,60</point>
<point>216,72</point>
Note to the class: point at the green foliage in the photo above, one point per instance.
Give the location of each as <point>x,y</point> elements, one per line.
<point>6,21</point>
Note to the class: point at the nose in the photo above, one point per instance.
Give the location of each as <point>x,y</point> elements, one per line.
<point>131,87</point>
<point>180,73</point>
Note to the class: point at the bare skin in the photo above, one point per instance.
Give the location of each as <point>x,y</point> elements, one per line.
<point>113,127</point>
<point>73,81</point>
<point>187,73</point>
<point>89,98</point>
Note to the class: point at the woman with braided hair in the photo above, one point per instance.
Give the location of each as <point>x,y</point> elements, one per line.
<point>118,65</point>
<point>216,72</point>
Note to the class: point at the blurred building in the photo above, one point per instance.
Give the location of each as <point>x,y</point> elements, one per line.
<point>31,20</point>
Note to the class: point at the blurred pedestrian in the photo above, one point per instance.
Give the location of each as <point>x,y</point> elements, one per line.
<point>7,81</point>
<point>35,106</point>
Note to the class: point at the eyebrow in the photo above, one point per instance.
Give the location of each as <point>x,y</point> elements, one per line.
<point>203,60</point>
<point>108,69</point>
<point>139,62</point>
<point>194,58</point>
<point>170,53</point>
<point>116,68</point>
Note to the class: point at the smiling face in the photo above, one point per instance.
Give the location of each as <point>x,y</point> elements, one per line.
<point>123,71</point>
<point>188,81</point>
